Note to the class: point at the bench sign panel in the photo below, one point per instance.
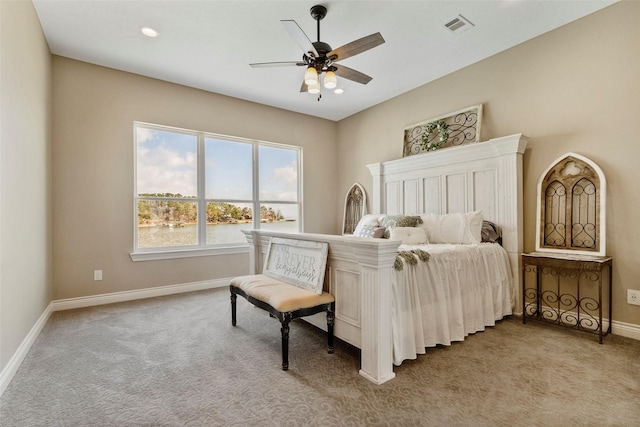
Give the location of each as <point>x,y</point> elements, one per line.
<point>299,263</point>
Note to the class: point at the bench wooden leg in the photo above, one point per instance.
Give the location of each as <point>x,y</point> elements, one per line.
<point>285,345</point>
<point>233,308</point>
<point>330,319</point>
<point>286,318</point>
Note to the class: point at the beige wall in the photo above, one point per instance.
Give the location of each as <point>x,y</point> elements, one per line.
<point>575,89</point>
<point>25,175</point>
<point>94,109</point>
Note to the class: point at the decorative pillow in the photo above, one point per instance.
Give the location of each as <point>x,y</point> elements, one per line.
<point>369,219</point>
<point>391,221</point>
<point>461,228</point>
<point>491,233</point>
<point>371,231</point>
<point>410,235</point>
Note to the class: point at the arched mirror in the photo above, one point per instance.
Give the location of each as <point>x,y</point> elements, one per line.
<point>355,206</point>
<point>571,207</point>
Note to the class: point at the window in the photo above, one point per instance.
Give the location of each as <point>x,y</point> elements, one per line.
<point>196,190</point>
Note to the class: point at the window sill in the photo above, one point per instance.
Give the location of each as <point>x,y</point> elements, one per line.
<point>187,253</point>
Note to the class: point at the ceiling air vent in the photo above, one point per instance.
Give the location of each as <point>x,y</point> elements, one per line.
<point>459,24</point>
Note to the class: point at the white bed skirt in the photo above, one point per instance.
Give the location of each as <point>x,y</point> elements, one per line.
<point>461,290</point>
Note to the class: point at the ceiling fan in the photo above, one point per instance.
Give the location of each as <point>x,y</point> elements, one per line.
<point>319,58</point>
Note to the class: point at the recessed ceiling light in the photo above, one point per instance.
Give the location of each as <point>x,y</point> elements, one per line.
<point>149,32</point>
<point>338,91</point>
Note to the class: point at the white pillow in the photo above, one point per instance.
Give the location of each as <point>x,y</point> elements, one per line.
<point>367,220</point>
<point>369,231</point>
<point>461,228</point>
<point>409,235</point>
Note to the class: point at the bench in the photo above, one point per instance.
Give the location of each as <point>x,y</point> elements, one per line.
<point>290,287</point>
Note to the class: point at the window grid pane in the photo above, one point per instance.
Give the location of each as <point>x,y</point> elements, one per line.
<point>228,170</point>
<point>278,174</point>
<point>226,220</point>
<point>279,217</point>
<point>166,163</point>
<point>167,223</point>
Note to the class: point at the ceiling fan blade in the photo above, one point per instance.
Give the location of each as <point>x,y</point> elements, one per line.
<point>299,36</point>
<point>356,47</point>
<point>276,64</point>
<point>351,74</point>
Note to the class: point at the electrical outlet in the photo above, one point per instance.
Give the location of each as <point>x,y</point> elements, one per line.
<point>633,297</point>
<point>97,274</point>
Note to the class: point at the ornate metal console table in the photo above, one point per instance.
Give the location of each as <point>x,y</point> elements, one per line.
<point>568,290</point>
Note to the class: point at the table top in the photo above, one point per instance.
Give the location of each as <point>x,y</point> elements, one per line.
<point>569,257</point>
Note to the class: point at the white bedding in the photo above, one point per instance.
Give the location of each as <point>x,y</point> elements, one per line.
<point>459,291</point>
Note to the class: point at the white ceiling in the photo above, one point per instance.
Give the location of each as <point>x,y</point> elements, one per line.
<point>210,44</point>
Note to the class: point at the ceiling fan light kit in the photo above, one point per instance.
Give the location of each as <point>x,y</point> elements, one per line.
<point>330,80</point>
<point>320,59</point>
<point>311,76</point>
<point>314,88</point>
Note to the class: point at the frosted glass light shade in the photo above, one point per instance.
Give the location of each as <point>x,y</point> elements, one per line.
<point>314,87</point>
<point>311,76</point>
<point>330,80</point>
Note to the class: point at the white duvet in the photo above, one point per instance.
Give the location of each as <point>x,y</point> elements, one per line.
<point>461,290</point>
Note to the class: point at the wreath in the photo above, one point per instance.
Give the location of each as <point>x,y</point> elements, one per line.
<point>443,130</point>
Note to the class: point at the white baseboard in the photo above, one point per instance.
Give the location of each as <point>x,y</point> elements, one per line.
<point>16,360</point>
<point>80,302</point>
<point>628,330</point>
<point>66,304</point>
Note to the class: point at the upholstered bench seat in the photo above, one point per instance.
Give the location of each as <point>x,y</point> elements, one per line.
<point>285,302</point>
<point>279,295</point>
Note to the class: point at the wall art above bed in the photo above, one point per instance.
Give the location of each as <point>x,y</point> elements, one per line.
<point>448,130</point>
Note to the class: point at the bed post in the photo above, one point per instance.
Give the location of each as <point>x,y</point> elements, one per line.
<point>376,359</point>
<point>513,238</point>
<point>377,200</point>
<point>254,250</point>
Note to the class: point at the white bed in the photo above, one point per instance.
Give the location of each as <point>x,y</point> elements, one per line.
<point>390,322</point>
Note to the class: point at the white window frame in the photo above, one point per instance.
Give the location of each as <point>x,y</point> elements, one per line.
<point>202,248</point>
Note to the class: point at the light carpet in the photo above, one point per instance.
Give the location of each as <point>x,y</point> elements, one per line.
<point>177,361</point>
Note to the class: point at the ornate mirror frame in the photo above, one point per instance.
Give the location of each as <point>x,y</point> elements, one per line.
<point>572,196</point>
<point>355,207</point>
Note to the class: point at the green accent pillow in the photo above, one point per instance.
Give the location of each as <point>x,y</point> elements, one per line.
<point>391,221</point>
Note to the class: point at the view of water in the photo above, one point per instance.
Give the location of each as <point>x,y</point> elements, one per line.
<point>216,233</point>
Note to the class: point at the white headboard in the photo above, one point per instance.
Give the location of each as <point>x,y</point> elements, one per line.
<point>486,176</point>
